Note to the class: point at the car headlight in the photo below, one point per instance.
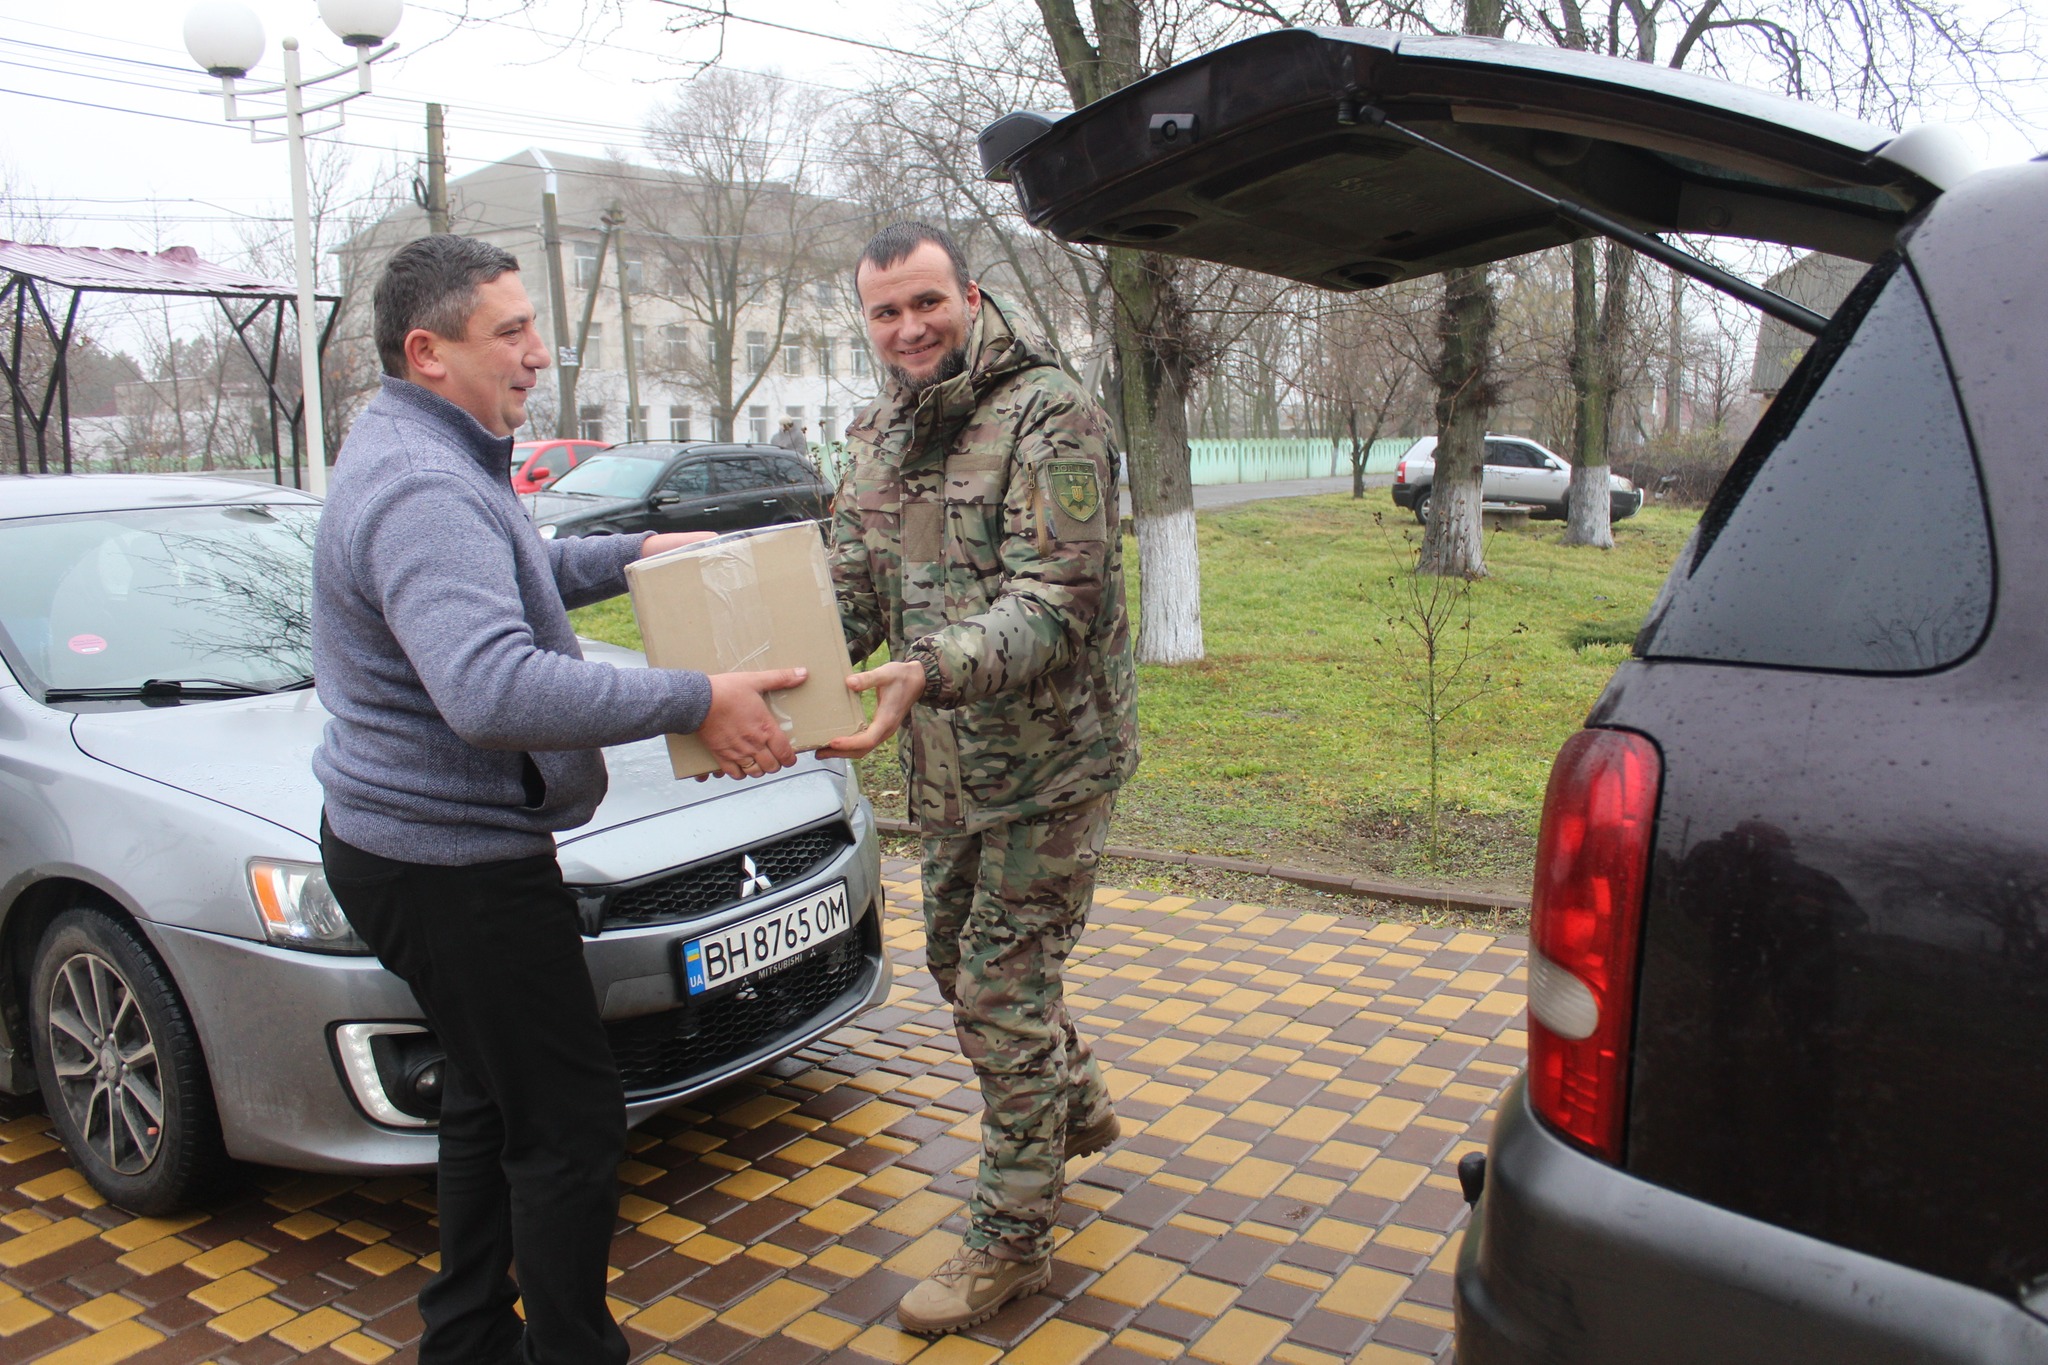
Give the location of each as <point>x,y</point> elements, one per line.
<point>298,910</point>
<point>849,790</point>
<point>547,531</point>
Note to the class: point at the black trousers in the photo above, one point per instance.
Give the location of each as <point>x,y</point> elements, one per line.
<point>533,1119</point>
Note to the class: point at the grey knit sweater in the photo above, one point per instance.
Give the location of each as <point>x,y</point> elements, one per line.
<point>466,721</point>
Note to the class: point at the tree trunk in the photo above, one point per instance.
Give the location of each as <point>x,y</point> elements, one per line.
<point>1589,522</point>
<point>1674,360</point>
<point>1358,453</point>
<point>1155,423</point>
<point>1453,544</point>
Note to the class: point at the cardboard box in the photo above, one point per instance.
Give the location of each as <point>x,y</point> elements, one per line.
<point>744,601</point>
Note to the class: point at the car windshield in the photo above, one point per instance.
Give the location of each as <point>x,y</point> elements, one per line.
<point>609,476</point>
<point>112,600</point>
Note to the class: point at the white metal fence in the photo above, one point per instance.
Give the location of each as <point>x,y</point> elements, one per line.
<point>1245,461</point>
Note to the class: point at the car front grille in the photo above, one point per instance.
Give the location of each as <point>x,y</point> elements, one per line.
<point>657,1052</point>
<point>706,887</point>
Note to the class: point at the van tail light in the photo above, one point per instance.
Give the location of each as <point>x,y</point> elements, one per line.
<point>1592,865</point>
<point>1401,472</point>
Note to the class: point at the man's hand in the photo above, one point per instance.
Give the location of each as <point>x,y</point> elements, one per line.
<point>662,544</point>
<point>740,730</point>
<point>896,686</point>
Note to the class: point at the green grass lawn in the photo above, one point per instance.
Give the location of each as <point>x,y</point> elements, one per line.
<point>1298,739</point>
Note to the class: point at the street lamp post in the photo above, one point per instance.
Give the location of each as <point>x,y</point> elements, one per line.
<point>226,40</point>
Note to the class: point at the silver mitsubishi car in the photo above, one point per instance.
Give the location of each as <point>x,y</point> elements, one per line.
<point>176,980</point>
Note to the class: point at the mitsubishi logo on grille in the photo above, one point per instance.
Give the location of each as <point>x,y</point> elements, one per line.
<point>756,881</point>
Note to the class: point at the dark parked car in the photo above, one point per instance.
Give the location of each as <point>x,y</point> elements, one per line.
<point>1789,977</point>
<point>689,486</point>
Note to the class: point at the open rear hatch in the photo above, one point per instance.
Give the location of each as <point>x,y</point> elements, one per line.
<point>1267,155</point>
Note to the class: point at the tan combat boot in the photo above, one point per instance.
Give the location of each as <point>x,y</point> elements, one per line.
<point>1093,1136</point>
<point>968,1289</point>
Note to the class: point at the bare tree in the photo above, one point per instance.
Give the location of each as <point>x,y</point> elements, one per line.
<point>738,229</point>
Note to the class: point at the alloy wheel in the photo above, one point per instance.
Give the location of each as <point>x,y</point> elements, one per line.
<point>105,1061</point>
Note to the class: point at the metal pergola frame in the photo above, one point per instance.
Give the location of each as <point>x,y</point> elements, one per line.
<point>29,273</point>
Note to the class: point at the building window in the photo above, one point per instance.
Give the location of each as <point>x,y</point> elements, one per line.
<point>636,423</point>
<point>828,294</point>
<point>679,419</point>
<point>593,347</point>
<point>590,422</point>
<point>828,357</point>
<point>675,343</point>
<point>636,275</point>
<point>639,356</point>
<point>793,358</point>
<point>860,361</point>
<point>586,265</point>
<point>757,351</point>
<point>757,424</point>
<point>828,424</point>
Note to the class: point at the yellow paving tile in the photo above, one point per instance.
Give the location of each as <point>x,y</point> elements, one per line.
<point>918,1214</point>
<point>924,1255</point>
<point>106,1310</point>
<point>306,1226</point>
<point>232,1291</point>
<point>710,1248</point>
<point>1311,1189</point>
<point>359,1230</point>
<point>872,1117</point>
<point>758,1110</point>
<point>750,1184</point>
<point>635,1209</point>
<point>1100,1245</point>
<point>1219,1149</point>
<point>20,1314</point>
<point>772,1307</point>
<point>1394,1051</point>
<point>102,1348</point>
<point>1135,1280</point>
<point>826,1333</point>
<point>776,1255</point>
<point>26,1220</point>
<point>1239,1336</point>
<point>894,1182</point>
<point>669,1318</point>
<point>358,1347</point>
<point>1254,1177</point>
<point>886,1343</point>
<point>1388,1113</point>
<point>33,1246</point>
<point>1424,1313</point>
<point>1312,1123</point>
<point>381,1259</point>
<point>161,1254</point>
<point>1287,1353</point>
<point>311,1331</point>
<point>1378,1353</point>
<point>1057,1343</point>
<point>1195,1294</point>
<point>226,1259</point>
<point>1146,1344</point>
<point>1261,1113</point>
<point>958,1350</point>
<point>837,1217</point>
<point>52,1186</point>
<point>252,1320</point>
<point>1390,1179</point>
<point>1337,1235</point>
<point>1409,1239</point>
<point>1365,1292</point>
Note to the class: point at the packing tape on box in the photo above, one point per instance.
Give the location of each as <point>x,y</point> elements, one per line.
<point>740,634</point>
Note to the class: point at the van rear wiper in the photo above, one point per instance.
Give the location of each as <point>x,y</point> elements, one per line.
<point>176,689</point>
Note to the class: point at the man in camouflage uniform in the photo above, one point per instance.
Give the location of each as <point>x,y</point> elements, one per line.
<point>975,534</point>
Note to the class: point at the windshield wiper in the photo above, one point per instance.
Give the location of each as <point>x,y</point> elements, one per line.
<point>175,689</point>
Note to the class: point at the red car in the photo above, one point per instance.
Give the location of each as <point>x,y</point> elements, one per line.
<point>536,464</point>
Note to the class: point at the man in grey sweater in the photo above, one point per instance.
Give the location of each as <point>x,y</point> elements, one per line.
<point>466,728</point>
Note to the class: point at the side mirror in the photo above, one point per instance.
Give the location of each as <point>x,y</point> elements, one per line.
<point>665,498</point>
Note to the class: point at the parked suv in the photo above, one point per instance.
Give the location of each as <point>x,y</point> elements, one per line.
<point>1518,473</point>
<point>1788,982</point>
<point>691,486</point>
<point>175,977</point>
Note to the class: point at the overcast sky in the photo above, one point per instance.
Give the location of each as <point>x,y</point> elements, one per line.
<point>139,156</point>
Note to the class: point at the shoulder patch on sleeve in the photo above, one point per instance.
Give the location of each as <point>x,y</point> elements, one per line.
<point>1073,490</point>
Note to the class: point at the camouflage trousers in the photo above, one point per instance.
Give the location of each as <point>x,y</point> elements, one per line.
<point>1002,910</point>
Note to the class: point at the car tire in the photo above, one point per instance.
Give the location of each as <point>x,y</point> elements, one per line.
<point>1422,506</point>
<point>113,1040</point>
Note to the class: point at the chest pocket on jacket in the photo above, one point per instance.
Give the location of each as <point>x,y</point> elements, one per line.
<point>974,511</point>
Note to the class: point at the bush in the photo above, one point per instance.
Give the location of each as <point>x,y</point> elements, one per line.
<point>1678,469</point>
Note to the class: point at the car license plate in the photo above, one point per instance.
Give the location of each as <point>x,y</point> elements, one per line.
<point>766,941</point>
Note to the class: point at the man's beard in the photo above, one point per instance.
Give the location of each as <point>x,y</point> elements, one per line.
<point>954,363</point>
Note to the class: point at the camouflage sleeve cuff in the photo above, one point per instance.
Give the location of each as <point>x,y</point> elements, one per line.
<point>936,693</point>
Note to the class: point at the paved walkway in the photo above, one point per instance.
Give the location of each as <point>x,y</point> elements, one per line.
<point>1209,496</point>
<point>1297,1089</point>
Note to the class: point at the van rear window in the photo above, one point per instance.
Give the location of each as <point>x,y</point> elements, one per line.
<point>1850,535</point>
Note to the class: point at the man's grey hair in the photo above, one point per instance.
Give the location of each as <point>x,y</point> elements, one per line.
<point>431,283</point>
<point>895,242</point>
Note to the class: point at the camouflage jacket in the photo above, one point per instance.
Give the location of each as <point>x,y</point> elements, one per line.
<point>976,532</point>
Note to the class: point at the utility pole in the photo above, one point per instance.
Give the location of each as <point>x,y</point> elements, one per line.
<point>437,172</point>
<point>568,360</point>
<point>589,306</point>
<point>616,220</point>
